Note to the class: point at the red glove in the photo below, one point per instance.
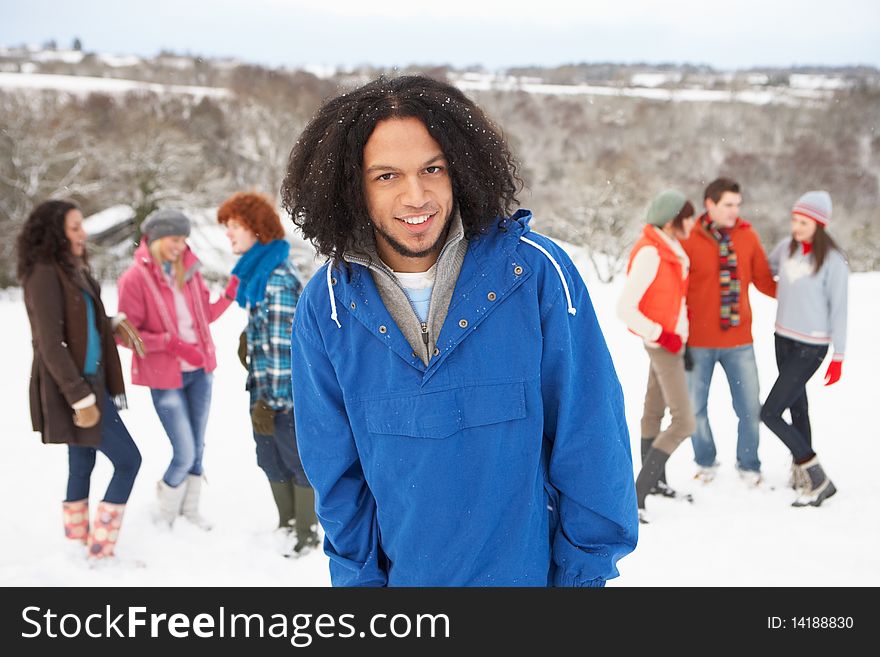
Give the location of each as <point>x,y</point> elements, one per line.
<point>231,288</point>
<point>671,342</point>
<point>188,352</point>
<point>832,374</point>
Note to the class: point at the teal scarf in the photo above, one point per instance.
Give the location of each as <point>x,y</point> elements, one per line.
<point>255,267</point>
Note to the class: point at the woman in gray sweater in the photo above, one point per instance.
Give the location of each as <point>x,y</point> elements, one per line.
<point>812,296</point>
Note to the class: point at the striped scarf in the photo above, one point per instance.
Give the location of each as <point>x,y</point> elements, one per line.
<point>728,276</point>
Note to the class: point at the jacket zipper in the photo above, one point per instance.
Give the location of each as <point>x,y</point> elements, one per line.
<point>385,271</point>
<point>423,326</point>
<point>425,339</point>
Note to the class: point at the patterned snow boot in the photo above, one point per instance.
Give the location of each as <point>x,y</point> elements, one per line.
<point>105,530</point>
<point>76,520</point>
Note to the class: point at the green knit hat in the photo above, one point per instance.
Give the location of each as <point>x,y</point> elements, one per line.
<point>665,207</point>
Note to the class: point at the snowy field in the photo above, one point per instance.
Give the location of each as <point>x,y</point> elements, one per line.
<point>730,536</point>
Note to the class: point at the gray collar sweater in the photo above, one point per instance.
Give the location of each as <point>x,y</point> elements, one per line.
<point>422,336</point>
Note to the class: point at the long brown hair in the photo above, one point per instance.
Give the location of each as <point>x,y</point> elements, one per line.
<point>42,238</point>
<point>822,244</point>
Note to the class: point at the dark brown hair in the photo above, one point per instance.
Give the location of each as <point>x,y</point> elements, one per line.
<point>686,212</point>
<point>42,238</point>
<point>717,187</point>
<point>323,189</point>
<point>256,212</point>
<point>822,244</point>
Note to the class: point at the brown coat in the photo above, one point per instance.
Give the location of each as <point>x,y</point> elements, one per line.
<point>57,312</point>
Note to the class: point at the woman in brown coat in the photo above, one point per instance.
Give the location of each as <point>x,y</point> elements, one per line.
<point>76,382</point>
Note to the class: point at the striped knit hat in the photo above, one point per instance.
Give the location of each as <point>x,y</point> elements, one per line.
<point>815,205</point>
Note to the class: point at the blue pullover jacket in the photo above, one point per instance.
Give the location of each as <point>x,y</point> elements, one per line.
<point>504,462</point>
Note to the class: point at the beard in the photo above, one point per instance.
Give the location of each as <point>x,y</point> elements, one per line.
<point>402,249</point>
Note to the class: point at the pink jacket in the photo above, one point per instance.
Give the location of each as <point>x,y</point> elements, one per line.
<point>160,368</point>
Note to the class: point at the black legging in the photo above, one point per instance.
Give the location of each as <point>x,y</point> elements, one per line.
<point>797,362</point>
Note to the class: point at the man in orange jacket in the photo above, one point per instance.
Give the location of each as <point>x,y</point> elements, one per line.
<point>726,257</point>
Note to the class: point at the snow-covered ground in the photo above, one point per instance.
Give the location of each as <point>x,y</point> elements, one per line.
<point>730,536</point>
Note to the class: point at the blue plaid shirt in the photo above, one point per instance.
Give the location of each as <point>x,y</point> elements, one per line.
<point>268,339</point>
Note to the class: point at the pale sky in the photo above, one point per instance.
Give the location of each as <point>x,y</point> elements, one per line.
<point>491,33</point>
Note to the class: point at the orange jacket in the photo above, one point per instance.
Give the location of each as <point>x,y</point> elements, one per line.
<point>704,289</point>
<point>662,300</point>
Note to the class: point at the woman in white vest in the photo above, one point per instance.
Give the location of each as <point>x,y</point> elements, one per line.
<point>653,306</point>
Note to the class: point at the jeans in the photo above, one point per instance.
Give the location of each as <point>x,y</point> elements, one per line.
<point>116,445</point>
<point>797,362</point>
<point>278,456</point>
<point>184,415</point>
<point>742,376</point>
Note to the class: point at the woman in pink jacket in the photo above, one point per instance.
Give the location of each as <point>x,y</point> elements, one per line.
<point>165,298</point>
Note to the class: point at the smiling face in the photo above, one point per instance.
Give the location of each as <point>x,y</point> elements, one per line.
<point>724,213</point>
<point>408,193</point>
<point>803,229</point>
<point>75,233</point>
<point>171,246</point>
<point>240,236</point>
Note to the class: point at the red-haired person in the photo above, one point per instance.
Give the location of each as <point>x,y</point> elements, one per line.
<point>269,289</point>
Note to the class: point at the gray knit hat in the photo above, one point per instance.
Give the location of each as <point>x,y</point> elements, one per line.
<point>816,205</point>
<point>665,207</point>
<point>165,222</point>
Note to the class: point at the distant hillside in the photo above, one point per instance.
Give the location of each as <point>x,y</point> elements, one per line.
<point>594,141</point>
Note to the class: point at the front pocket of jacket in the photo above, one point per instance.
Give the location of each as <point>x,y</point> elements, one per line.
<point>440,414</point>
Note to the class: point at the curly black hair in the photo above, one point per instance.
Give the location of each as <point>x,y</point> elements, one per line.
<point>42,238</point>
<point>323,188</point>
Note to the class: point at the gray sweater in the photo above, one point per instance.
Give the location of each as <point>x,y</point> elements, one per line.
<point>811,307</point>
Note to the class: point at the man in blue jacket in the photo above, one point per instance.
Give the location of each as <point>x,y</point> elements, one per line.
<point>457,410</point>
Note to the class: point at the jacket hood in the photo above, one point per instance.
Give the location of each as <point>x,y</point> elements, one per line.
<point>518,223</point>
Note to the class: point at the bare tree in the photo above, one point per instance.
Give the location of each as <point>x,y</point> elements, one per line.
<point>41,157</point>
